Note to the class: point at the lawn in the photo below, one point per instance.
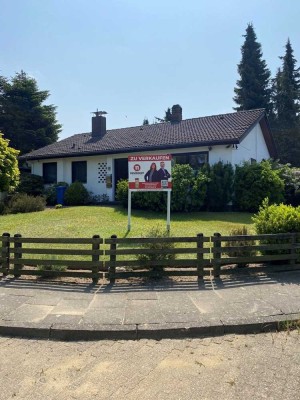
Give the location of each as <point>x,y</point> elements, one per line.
<point>106,221</point>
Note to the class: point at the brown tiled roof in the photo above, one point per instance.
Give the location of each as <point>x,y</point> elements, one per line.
<point>216,129</point>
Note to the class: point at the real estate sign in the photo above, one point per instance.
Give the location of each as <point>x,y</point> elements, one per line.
<point>150,173</point>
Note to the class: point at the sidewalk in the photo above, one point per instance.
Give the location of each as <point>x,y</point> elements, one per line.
<point>52,310</point>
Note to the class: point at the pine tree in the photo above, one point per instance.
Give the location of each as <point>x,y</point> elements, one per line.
<point>24,119</point>
<point>253,87</point>
<point>146,121</point>
<point>285,120</point>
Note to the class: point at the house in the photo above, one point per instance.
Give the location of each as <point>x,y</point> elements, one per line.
<point>99,158</point>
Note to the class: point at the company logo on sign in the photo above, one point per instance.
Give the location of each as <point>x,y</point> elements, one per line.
<point>137,167</point>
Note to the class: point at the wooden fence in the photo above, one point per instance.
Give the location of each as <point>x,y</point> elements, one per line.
<point>153,257</point>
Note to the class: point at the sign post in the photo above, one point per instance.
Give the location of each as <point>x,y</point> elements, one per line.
<point>150,173</point>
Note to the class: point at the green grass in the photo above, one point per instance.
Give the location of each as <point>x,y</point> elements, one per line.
<point>106,221</point>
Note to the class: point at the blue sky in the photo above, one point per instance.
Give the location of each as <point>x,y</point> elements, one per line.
<point>135,58</point>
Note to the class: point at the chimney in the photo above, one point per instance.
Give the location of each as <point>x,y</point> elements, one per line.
<point>99,124</point>
<point>176,113</point>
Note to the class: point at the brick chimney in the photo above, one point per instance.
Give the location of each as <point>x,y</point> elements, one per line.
<point>176,113</point>
<point>99,124</point>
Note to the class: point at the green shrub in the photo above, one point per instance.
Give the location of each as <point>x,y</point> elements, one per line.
<point>122,192</point>
<point>2,208</point>
<point>277,218</point>
<point>182,184</point>
<point>50,193</point>
<point>9,170</point>
<point>291,179</point>
<point>272,219</point>
<point>220,179</point>
<point>240,231</point>
<point>254,182</point>
<point>199,190</point>
<point>46,270</point>
<point>31,184</point>
<point>23,203</point>
<point>58,206</point>
<point>158,245</point>
<point>76,194</point>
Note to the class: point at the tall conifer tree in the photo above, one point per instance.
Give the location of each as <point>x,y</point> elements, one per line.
<point>253,88</point>
<point>286,108</point>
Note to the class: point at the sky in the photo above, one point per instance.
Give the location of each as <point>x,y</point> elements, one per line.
<point>136,58</point>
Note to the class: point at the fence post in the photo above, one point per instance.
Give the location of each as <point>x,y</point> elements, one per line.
<point>200,255</point>
<point>18,255</point>
<point>5,253</point>
<point>217,255</point>
<point>113,257</point>
<point>293,248</point>
<point>95,258</point>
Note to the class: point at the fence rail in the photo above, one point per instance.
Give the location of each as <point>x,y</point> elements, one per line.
<point>137,257</point>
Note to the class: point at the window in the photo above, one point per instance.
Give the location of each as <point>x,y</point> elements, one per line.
<point>79,171</point>
<point>195,160</point>
<point>50,172</point>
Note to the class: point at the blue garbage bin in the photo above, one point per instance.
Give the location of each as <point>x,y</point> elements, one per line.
<point>60,193</point>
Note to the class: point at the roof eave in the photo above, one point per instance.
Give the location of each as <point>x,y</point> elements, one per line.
<point>132,150</point>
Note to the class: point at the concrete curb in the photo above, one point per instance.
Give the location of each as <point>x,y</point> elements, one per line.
<point>73,332</point>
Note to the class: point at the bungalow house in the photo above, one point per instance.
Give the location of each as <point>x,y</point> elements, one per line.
<point>99,158</point>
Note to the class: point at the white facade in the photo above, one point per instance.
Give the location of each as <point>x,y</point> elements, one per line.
<point>253,146</point>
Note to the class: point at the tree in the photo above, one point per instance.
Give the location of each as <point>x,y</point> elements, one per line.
<point>285,119</point>
<point>9,171</point>
<point>146,121</point>
<point>24,119</point>
<point>167,117</point>
<point>253,87</point>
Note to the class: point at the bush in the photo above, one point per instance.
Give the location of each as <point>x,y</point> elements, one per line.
<point>272,219</point>
<point>277,219</point>
<point>50,193</point>
<point>182,183</point>
<point>46,269</point>
<point>254,182</point>
<point>31,184</point>
<point>2,208</point>
<point>243,231</point>
<point>76,194</point>
<point>158,245</point>
<point>220,179</point>
<point>122,192</point>
<point>23,203</point>
<point>291,179</point>
<point>154,201</point>
<point>9,170</point>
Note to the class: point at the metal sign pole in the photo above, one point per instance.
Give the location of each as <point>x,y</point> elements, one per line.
<point>129,210</point>
<point>169,211</point>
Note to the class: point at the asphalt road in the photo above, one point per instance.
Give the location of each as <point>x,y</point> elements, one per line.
<point>264,366</point>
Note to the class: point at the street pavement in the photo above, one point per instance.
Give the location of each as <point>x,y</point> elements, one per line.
<point>246,367</point>
<point>157,310</point>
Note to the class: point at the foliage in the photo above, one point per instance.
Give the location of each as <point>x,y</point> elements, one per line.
<point>51,193</point>
<point>240,231</point>
<point>2,208</point>
<point>25,120</point>
<point>291,179</point>
<point>23,203</point>
<point>47,269</point>
<point>76,194</point>
<point>252,89</point>
<point>182,184</point>
<point>122,192</point>
<point>146,121</point>
<point>58,206</point>
<point>285,119</point>
<point>140,200</point>
<point>31,184</point>
<point>220,178</point>
<point>254,182</point>
<point>156,247</point>
<point>199,190</point>
<point>277,218</point>
<point>9,170</point>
